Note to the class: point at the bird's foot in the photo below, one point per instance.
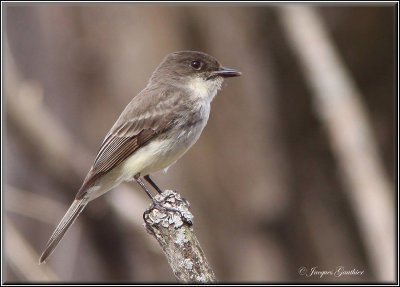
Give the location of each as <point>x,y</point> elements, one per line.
<point>169,203</point>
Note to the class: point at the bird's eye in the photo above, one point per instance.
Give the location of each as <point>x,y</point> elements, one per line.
<point>196,64</point>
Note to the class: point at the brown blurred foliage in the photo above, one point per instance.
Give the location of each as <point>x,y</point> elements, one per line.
<point>263,181</point>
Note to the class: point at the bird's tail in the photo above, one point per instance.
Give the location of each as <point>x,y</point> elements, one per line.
<point>75,209</point>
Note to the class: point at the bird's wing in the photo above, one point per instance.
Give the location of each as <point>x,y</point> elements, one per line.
<point>133,130</point>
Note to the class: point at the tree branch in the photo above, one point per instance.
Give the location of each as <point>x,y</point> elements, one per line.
<point>171,225</point>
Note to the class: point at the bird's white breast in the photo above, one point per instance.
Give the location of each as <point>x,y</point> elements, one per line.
<point>205,89</point>
<point>159,154</point>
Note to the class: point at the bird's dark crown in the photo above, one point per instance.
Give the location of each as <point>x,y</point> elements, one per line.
<point>184,64</point>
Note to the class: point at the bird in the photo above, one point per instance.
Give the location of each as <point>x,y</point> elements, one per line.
<point>154,130</point>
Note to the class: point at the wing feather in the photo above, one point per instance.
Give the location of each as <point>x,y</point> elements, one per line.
<point>134,129</point>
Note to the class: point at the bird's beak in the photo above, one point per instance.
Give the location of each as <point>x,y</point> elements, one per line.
<point>226,73</point>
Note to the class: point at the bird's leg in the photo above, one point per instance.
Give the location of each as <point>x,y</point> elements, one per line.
<point>140,182</point>
<point>157,204</point>
<point>153,184</point>
<point>149,180</point>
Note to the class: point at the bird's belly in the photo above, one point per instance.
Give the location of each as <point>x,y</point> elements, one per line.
<point>158,154</point>
<point>151,158</point>
<point>155,156</point>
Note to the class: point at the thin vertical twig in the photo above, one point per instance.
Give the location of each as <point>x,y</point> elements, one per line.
<point>337,102</point>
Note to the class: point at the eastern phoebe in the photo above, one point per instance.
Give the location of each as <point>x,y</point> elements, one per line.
<point>156,128</point>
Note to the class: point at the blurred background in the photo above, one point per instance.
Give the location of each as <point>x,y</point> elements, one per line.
<point>294,170</point>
